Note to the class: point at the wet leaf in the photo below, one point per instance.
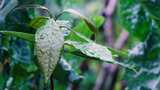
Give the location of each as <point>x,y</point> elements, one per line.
<point>93,50</point>
<point>48,43</point>
<point>97,52</point>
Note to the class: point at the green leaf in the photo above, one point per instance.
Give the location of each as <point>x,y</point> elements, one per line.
<point>116,52</point>
<point>82,36</point>
<point>92,27</point>
<point>90,51</point>
<point>98,20</point>
<point>38,22</point>
<point>81,28</point>
<point>119,52</point>
<point>153,7</point>
<point>134,18</point>
<point>69,74</point>
<point>97,51</point>
<point>25,36</point>
<point>23,71</point>
<point>148,63</point>
<point>146,76</point>
<point>93,50</point>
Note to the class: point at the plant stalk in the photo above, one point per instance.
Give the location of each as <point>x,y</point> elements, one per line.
<point>51,83</point>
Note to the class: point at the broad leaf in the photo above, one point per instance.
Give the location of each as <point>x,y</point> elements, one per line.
<point>97,51</point>
<point>93,50</point>
<point>120,53</point>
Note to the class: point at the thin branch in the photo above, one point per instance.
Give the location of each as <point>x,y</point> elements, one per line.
<point>51,83</point>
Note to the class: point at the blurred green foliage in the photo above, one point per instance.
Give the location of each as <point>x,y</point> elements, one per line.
<point>141,19</point>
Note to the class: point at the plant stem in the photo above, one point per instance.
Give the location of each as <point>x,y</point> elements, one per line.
<point>51,83</point>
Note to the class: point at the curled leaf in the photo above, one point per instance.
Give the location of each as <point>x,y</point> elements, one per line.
<point>92,27</point>
<point>48,43</point>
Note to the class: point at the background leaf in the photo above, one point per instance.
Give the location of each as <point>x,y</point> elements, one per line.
<point>25,36</point>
